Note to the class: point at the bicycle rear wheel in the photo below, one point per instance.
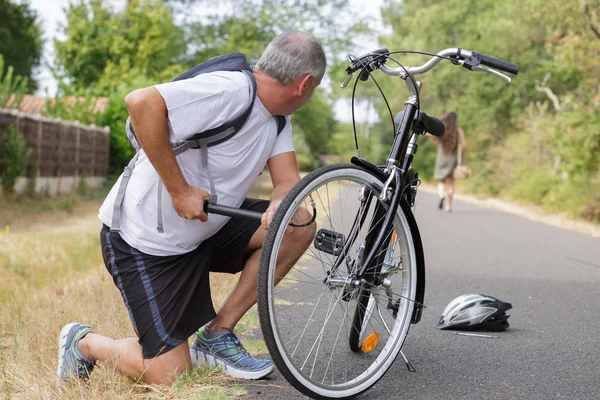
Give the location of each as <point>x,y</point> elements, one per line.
<point>308,319</point>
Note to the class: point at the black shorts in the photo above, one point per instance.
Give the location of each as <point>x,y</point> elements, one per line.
<point>168,298</point>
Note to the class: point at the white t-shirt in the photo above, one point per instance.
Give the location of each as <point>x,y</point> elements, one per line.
<point>195,105</point>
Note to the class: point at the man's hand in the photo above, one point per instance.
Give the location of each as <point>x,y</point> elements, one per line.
<point>269,213</point>
<point>189,203</point>
<point>284,175</point>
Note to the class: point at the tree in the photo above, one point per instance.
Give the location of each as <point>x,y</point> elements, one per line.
<point>20,39</point>
<point>251,25</point>
<point>104,48</point>
<point>316,120</point>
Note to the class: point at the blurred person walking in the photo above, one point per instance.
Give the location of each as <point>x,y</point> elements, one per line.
<point>447,159</point>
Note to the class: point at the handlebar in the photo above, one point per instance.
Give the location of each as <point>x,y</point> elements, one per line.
<point>496,63</point>
<point>471,60</point>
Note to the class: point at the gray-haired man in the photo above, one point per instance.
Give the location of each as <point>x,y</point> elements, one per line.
<point>163,276</point>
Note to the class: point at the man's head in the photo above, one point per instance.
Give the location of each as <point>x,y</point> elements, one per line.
<point>295,62</point>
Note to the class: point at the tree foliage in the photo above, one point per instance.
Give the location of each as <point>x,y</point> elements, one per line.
<point>105,48</point>
<point>20,39</point>
<point>250,26</point>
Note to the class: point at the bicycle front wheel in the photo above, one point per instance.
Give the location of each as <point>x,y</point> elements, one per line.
<point>309,294</point>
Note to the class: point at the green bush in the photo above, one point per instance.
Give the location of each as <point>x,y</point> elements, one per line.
<point>114,116</point>
<point>371,147</point>
<point>66,203</point>
<point>578,197</point>
<point>424,160</point>
<point>307,161</point>
<point>15,158</point>
<point>12,87</point>
<point>533,186</point>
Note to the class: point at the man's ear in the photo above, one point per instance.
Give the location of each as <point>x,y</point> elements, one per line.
<point>303,84</point>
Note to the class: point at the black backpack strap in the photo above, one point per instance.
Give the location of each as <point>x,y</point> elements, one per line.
<point>225,62</point>
<point>231,127</point>
<point>280,119</point>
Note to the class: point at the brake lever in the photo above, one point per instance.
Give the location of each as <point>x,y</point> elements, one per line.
<point>492,71</point>
<point>346,81</point>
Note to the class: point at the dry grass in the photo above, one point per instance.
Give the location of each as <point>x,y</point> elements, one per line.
<point>73,285</point>
<point>51,278</point>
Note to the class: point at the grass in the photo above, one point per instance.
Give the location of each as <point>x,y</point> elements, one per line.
<point>65,280</point>
<point>52,273</point>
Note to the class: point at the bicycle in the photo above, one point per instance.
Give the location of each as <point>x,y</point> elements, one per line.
<point>361,284</point>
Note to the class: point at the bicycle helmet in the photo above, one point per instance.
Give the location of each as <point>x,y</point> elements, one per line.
<point>475,311</point>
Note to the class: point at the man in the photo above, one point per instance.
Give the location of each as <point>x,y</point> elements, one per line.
<point>164,276</point>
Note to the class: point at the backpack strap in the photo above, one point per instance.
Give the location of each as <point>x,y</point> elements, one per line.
<point>235,124</point>
<point>115,225</point>
<point>225,62</point>
<point>280,119</point>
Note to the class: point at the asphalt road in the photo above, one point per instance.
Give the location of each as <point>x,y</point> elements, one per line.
<point>550,275</point>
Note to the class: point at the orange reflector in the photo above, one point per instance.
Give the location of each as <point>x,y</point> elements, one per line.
<point>394,236</point>
<point>370,342</point>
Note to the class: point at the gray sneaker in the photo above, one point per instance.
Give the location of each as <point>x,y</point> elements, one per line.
<point>227,352</point>
<point>72,364</point>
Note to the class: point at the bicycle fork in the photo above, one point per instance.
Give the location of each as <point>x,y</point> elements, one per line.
<point>383,225</point>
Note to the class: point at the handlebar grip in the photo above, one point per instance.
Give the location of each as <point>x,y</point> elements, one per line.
<point>383,50</point>
<point>433,125</point>
<point>496,63</point>
<point>231,211</point>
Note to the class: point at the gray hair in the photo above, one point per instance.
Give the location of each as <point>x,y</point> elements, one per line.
<point>291,55</point>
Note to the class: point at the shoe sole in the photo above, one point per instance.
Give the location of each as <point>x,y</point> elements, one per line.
<point>201,358</point>
<point>62,339</point>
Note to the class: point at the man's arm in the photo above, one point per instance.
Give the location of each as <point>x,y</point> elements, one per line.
<point>148,114</point>
<point>284,175</point>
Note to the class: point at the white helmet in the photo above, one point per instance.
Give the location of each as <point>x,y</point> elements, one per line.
<point>475,311</point>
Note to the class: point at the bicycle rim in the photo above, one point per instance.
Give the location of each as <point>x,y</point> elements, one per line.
<point>308,317</point>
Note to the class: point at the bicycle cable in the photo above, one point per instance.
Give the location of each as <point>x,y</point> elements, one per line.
<point>365,68</point>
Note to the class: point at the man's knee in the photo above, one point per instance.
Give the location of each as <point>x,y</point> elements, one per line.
<point>303,234</point>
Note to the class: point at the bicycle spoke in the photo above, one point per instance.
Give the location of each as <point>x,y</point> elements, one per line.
<point>372,327</point>
<point>304,283</point>
<point>320,334</point>
<point>307,325</point>
<point>302,300</point>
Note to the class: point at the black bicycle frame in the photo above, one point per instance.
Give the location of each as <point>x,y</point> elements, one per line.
<point>397,157</point>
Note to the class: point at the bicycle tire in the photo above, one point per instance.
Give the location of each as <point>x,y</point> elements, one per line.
<point>362,310</point>
<point>271,313</point>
